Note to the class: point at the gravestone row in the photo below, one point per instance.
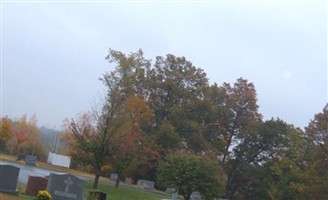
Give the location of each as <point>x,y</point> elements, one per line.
<point>29,159</point>
<point>60,186</point>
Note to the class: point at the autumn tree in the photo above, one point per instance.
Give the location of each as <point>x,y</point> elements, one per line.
<point>128,94</point>
<point>117,118</point>
<point>317,135</point>
<point>5,132</point>
<point>27,137</point>
<point>130,143</point>
<point>20,132</point>
<point>188,172</point>
<point>317,129</point>
<point>92,142</point>
<point>216,97</point>
<point>240,113</point>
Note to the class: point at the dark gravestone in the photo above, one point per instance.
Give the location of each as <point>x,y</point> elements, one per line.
<point>97,194</point>
<point>8,179</point>
<point>30,160</point>
<point>65,187</point>
<point>21,157</point>
<point>35,184</point>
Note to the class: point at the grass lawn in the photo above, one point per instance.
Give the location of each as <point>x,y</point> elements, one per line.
<point>129,192</point>
<point>124,192</point>
<point>21,188</point>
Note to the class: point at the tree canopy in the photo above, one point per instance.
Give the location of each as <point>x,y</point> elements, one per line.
<point>162,119</point>
<point>188,172</point>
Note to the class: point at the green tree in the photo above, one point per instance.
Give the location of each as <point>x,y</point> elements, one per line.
<point>188,172</point>
<point>290,169</point>
<point>175,87</point>
<point>236,118</point>
<point>317,156</point>
<point>167,138</point>
<point>251,168</point>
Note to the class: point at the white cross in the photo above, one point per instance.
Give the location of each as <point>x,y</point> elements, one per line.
<point>68,182</point>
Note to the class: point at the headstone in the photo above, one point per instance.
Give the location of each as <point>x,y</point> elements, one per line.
<point>65,187</point>
<point>97,194</point>
<point>195,196</point>
<point>128,180</point>
<point>30,160</point>
<point>113,176</point>
<point>146,184</point>
<point>35,184</point>
<point>8,179</point>
<point>174,196</point>
<point>173,192</point>
<point>21,157</point>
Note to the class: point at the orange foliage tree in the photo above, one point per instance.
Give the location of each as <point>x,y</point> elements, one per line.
<point>27,137</point>
<point>5,132</point>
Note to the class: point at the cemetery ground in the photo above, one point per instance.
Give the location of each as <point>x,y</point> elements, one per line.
<point>124,192</point>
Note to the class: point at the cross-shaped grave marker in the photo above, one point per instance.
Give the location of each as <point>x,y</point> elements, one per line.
<point>68,182</point>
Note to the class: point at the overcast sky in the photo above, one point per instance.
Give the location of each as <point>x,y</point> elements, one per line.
<point>53,53</point>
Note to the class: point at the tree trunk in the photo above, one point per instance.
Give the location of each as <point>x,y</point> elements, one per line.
<point>117,181</point>
<point>188,196</point>
<point>96,180</point>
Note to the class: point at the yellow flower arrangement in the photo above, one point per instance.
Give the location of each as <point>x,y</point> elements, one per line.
<point>44,195</point>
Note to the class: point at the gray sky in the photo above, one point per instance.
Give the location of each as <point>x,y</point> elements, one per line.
<point>53,53</point>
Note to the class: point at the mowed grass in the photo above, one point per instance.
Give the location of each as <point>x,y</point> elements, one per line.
<point>129,192</point>
<point>21,188</point>
<point>124,192</point>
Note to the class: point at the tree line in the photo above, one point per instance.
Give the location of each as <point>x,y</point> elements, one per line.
<point>162,120</point>
<point>21,136</point>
